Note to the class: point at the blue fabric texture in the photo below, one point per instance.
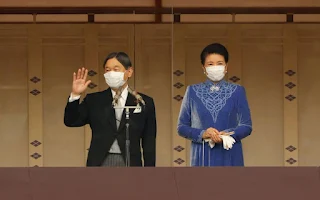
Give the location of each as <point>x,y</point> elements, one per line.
<point>222,106</point>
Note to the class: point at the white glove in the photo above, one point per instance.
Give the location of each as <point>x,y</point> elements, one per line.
<point>211,143</point>
<point>228,142</point>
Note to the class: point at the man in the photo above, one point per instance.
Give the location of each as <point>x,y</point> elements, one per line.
<point>108,124</point>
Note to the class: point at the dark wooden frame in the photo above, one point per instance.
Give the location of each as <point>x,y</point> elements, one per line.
<point>158,10</point>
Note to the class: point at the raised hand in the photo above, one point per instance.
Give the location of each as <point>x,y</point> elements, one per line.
<point>80,84</point>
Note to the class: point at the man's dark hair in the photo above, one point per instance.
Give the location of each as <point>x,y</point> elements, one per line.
<point>122,57</point>
<point>215,48</point>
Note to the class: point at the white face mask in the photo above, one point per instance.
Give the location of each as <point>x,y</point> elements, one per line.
<point>114,79</point>
<point>215,73</point>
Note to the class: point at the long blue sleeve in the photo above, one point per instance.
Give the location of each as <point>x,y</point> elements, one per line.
<point>244,127</point>
<point>184,121</point>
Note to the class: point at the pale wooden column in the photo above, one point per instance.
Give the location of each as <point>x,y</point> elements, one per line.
<point>92,64</point>
<point>235,57</point>
<point>35,97</point>
<point>178,90</point>
<point>290,95</point>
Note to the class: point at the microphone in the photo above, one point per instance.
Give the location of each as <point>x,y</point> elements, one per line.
<point>136,95</point>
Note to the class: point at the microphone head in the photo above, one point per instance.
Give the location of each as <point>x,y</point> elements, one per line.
<point>130,90</point>
<point>141,99</point>
<point>136,95</point>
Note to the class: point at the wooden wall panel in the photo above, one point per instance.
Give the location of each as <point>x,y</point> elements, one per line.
<point>114,38</point>
<point>262,58</point>
<point>308,91</point>
<point>234,72</point>
<point>129,18</point>
<point>153,77</point>
<point>14,96</point>
<point>63,53</point>
<point>166,58</point>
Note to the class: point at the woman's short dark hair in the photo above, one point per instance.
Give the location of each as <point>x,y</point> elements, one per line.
<point>215,48</point>
<point>122,57</point>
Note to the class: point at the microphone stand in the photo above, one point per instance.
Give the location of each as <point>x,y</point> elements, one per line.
<point>127,110</point>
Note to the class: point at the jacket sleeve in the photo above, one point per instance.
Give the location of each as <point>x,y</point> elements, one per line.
<point>149,136</point>
<point>184,121</point>
<point>244,127</point>
<point>76,113</point>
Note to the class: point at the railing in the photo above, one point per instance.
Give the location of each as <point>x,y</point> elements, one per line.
<point>261,183</point>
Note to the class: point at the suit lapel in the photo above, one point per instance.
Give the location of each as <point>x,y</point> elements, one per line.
<point>130,102</point>
<point>109,110</point>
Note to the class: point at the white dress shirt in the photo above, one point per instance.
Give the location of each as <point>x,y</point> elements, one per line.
<point>118,113</point>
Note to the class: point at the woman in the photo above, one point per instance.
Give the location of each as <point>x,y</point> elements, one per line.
<point>215,114</point>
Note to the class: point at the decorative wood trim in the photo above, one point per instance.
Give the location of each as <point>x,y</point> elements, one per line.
<point>291,134</point>
<point>178,90</point>
<point>176,18</point>
<point>160,10</point>
<point>289,18</point>
<point>158,5</point>
<point>35,98</point>
<point>91,18</point>
<point>92,64</point>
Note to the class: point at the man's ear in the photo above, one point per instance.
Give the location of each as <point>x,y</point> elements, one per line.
<point>130,71</point>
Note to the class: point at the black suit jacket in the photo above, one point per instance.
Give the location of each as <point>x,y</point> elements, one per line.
<point>97,111</point>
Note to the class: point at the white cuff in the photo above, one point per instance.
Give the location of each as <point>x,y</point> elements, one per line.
<point>73,98</point>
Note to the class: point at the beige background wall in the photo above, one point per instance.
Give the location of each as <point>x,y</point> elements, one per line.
<point>166,57</point>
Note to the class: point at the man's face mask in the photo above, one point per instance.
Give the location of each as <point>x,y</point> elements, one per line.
<point>114,79</point>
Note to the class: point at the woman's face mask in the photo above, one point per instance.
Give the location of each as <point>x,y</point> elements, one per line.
<point>215,73</point>
<point>114,79</point>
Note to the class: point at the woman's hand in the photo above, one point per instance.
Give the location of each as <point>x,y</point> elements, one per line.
<point>213,134</point>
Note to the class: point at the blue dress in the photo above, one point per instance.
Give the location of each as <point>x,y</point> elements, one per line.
<point>222,106</point>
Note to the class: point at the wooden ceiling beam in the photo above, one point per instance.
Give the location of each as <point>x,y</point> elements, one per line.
<point>158,16</point>
<point>159,10</point>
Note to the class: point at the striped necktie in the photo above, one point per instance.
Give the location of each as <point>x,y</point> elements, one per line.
<point>118,111</point>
